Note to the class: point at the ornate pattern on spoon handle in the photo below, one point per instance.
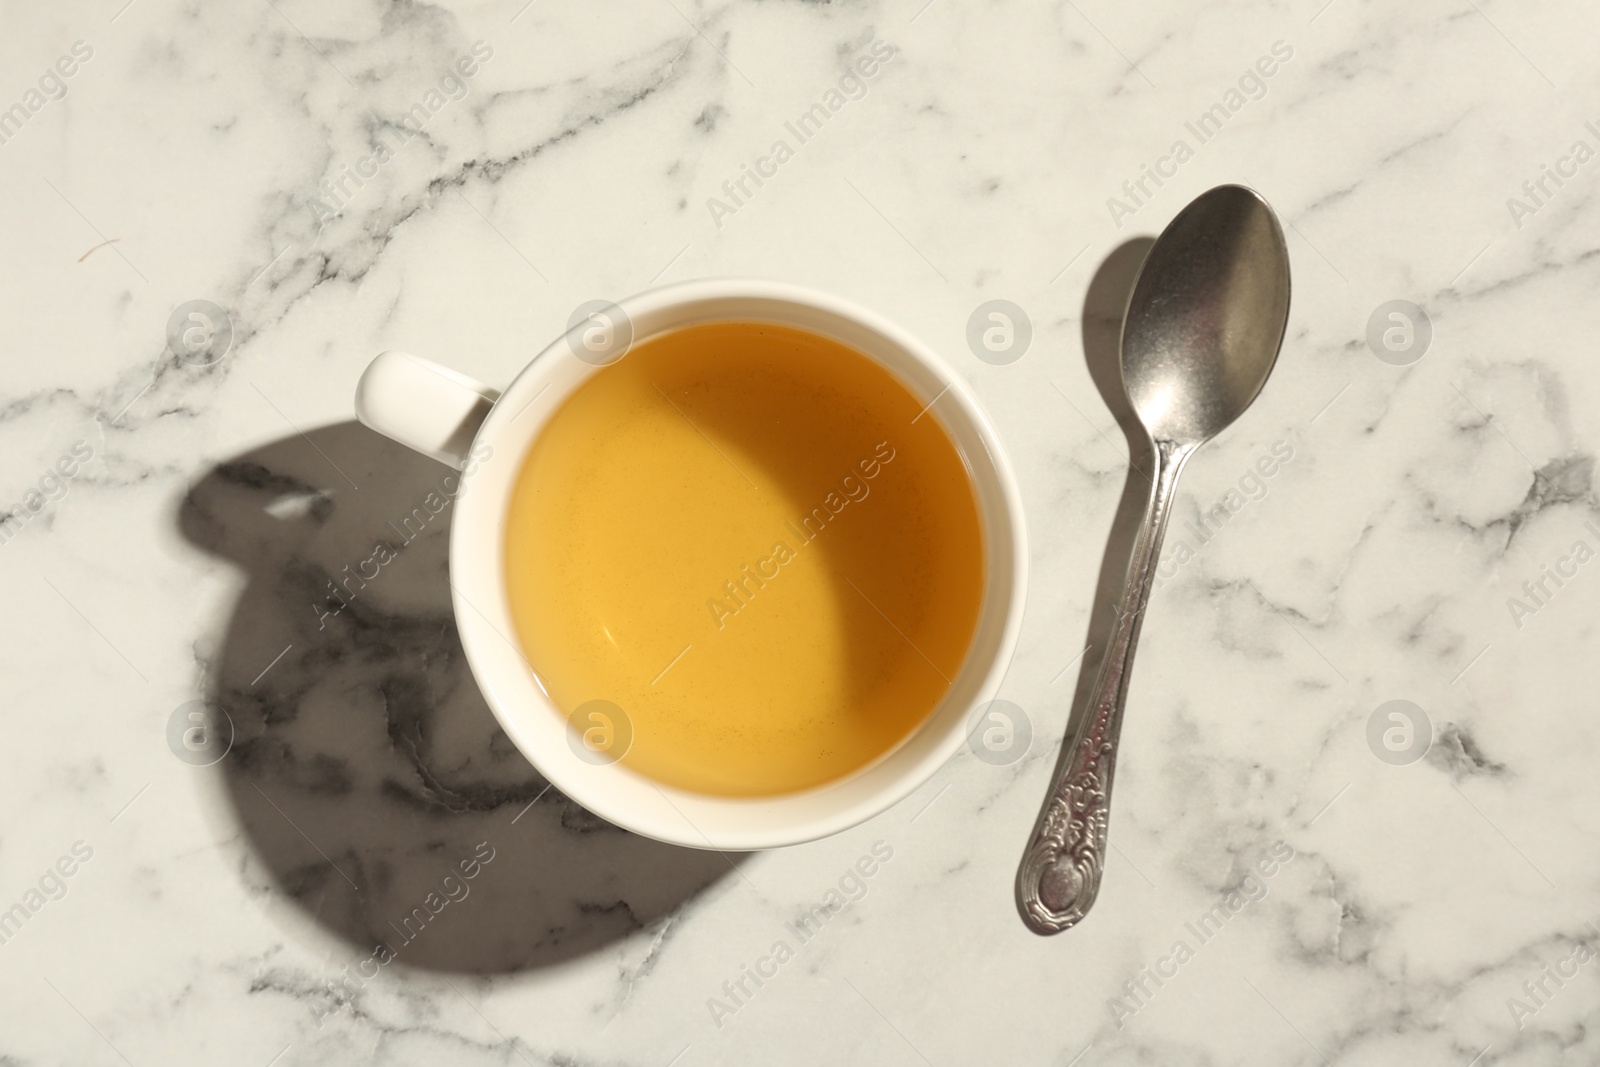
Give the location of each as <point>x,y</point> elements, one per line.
<point>1060,873</point>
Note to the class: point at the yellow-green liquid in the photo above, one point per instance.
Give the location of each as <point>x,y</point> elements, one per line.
<point>753,541</point>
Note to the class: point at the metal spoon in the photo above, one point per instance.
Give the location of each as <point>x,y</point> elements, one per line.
<point>1202,331</point>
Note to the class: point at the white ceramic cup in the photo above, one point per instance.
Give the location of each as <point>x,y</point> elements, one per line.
<point>486,434</point>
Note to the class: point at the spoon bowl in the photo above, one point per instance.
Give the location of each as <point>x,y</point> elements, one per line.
<point>1207,316</point>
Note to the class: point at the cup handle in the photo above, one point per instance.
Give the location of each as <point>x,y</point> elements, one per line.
<point>432,409</point>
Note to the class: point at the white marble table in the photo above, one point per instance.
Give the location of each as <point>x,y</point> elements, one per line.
<point>178,522</point>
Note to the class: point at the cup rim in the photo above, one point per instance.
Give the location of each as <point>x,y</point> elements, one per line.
<point>511,687</point>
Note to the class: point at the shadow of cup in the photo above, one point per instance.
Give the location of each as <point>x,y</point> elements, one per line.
<point>375,788</point>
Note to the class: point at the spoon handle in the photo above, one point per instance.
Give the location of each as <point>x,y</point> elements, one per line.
<point>1060,873</point>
